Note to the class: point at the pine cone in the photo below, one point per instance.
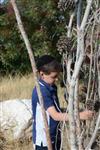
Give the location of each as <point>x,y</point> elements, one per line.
<point>2,10</point>
<point>97,106</point>
<point>90,105</point>
<point>64,4</point>
<point>64,44</point>
<point>93,105</point>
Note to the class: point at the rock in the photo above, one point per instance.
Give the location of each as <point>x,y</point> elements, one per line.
<point>15,118</point>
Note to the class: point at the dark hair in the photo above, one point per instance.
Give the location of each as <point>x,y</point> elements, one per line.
<point>48,64</point>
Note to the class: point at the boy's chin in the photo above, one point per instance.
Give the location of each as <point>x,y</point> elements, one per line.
<point>52,83</point>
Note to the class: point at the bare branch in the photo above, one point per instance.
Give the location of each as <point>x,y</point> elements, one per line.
<point>79,14</point>
<point>77,118</point>
<point>91,60</point>
<point>70,24</point>
<point>87,11</point>
<point>69,70</point>
<point>95,133</point>
<point>98,70</point>
<point>32,60</point>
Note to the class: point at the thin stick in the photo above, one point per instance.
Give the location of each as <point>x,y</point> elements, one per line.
<point>32,60</point>
<point>95,133</point>
<point>77,118</point>
<point>70,24</point>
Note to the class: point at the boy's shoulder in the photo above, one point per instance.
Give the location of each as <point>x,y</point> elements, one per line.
<point>43,89</point>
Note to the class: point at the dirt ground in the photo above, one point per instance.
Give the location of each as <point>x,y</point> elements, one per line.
<point>5,144</point>
<point>16,146</point>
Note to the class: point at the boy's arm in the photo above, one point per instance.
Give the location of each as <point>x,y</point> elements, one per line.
<point>58,116</point>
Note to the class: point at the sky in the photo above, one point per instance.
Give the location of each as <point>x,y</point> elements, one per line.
<point>1,1</point>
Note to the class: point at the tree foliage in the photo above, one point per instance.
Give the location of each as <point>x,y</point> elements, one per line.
<point>43,23</point>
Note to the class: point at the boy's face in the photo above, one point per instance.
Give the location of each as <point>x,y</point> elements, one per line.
<point>50,78</point>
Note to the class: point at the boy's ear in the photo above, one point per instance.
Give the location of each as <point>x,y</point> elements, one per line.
<point>41,73</point>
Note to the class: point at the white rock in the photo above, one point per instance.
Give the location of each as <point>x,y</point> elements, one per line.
<point>14,116</point>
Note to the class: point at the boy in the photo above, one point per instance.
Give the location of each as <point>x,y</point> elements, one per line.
<point>49,70</point>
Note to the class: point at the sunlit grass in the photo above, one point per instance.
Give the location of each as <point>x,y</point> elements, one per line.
<point>21,87</point>
<point>16,87</point>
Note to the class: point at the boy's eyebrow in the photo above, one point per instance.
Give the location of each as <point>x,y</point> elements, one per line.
<point>54,76</point>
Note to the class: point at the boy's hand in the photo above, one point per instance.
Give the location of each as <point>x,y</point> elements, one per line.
<point>86,115</point>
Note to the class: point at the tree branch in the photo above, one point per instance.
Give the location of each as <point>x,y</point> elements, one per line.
<point>79,14</point>
<point>94,134</point>
<point>32,60</point>
<point>87,11</point>
<point>70,24</point>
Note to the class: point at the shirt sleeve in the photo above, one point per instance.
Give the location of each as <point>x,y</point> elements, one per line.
<point>47,99</point>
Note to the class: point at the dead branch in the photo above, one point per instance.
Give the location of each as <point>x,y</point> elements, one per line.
<point>94,133</point>
<point>70,24</point>
<point>89,3</point>
<point>32,60</point>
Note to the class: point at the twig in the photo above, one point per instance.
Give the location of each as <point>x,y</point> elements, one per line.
<point>88,96</point>
<point>95,133</point>
<point>98,70</point>
<point>77,118</point>
<point>79,14</point>
<point>69,70</point>
<point>70,24</point>
<point>91,60</point>
<point>89,3</point>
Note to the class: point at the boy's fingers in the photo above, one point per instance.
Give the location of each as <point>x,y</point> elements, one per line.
<point>87,114</point>
<point>90,114</point>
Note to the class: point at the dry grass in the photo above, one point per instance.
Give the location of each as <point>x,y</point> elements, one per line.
<point>19,87</point>
<point>16,87</point>
<point>5,144</point>
<point>11,88</point>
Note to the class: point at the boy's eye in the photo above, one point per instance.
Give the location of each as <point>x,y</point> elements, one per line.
<point>54,77</point>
